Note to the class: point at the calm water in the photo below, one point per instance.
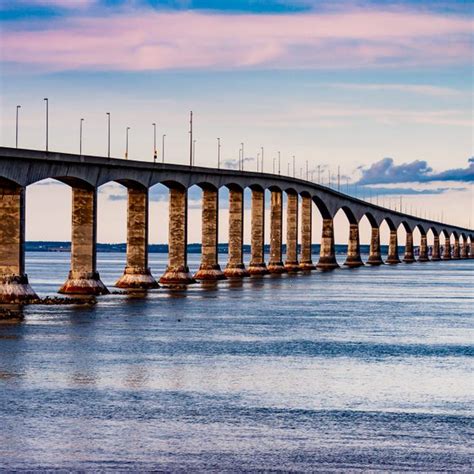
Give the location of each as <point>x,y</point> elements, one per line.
<point>363,369</point>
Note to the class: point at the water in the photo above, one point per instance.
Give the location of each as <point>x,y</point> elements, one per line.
<point>362,369</point>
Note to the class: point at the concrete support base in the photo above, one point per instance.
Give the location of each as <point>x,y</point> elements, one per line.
<point>354,262</point>
<point>177,276</point>
<point>15,289</point>
<point>409,259</point>
<point>375,260</point>
<point>292,267</point>
<point>209,273</point>
<point>306,266</point>
<point>392,260</point>
<point>236,271</point>
<point>435,259</point>
<point>423,259</point>
<point>83,283</point>
<point>136,278</point>
<point>327,263</point>
<point>257,269</point>
<point>276,267</point>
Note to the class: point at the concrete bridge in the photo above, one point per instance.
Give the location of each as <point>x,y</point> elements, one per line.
<point>20,168</point>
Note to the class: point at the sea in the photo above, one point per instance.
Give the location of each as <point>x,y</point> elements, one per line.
<point>354,370</point>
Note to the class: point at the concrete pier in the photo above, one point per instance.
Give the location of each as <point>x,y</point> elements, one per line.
<point>137,274</point>
<point>177,272</point>
<point>464,249</point>
<point>423,257</point>
<point>209,268</point>
<point>353,259</point>
<point>447,249</point>
<point>275,265</point>
<point>291,263</point>
<point>471,248</point>
<point>306,262</point>
<point>14,286</point>
<point>327,254</point>
<point>392,257</point>
<point>83,277</point>
<point>435,252</point>
<point>235,266</point>
<point>257,263</point>
<point>409,256</point>
<point>456,249</point>
<point>375,254</point>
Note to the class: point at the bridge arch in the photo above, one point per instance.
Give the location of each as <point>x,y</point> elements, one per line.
<point>322,208</point>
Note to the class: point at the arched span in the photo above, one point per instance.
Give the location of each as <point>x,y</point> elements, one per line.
<point>389,222</point>
<point>322,208</point>
<point>207,186</point>
<point>173,185</point>
<point>455,234</point>
<point>420,228</point>
<point>257,187</point>
<point>8,183</point>
<point>129,184</point>
<point>277,189</point>
<point>290,190</point>
<point>445,234</point>
<point>434,231</point>
<point>234,187</point>
<point>370,218</point>
<point>406,226</point>
<point>349,214</point>
<point>74,182</point>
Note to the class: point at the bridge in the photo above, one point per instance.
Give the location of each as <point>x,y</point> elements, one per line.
<point>20,168</point>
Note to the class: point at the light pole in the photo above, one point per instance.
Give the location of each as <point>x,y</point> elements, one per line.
<point>273,168</point>
<point>108,134</point>
<point>126,142</point>
<point>307,170</point>
<point>47,121</point>
<point>18,107</point>
<point>194,152</point>
<point>163,148</point>
<point>319,174</point>
<point>155,153</point>
<point>339,178</point>
<point>243,157</point>
<point>279,163</point>
<point>191,138</point>
<point>258,160</point>
<point>218,153</point>
<point>80,136</point>
<point>261,167</point>
<point>294,169</point>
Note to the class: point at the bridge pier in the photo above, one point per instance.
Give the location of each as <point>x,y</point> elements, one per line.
<point>464,249</point>
<point>435,252</point>
<point>447,249</point>
<point>306,262</point>
<point>392,257</point>
<point>327,254</point>
<point>14,286</point>
<point>275,265</point>
<point>209,268</point>
<point>235,267</point>
<point>375,255</point>
<point>471,249</point>
<point>83,278</point>
<point>423,257</point>
<point>353,259</point>
<point>409,256</point>
<point>137,274</point>
<point>291,263</point>
<point>456,249</point>
<point>257,263</point>
<point>177,272</point>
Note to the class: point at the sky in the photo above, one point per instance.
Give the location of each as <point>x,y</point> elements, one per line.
<point>381,90</point>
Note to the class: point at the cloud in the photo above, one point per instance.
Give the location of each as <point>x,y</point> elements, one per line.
<point>144,39</point>
<point>418,171</point>
<point>234,164</point>
<point>424,89</point>
<point>372,192</point>
<point>69,4</point>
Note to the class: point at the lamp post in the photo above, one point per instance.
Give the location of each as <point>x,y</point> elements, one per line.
<point>126,142</point>
<point>108,134</point>
<point>18,107</point>
<point>218,153</point>
<point>243,157</point>
<point>155,153</point>
<point>279,163</point>
<point>294,169</point>
<point>261,167</point>
<point>47,122</point>
<point>258,160</point>
<point>191,138</point>
<point>339,178</point>
<point>163,148</point>
<point>80,136</point>
<point>194,152</point>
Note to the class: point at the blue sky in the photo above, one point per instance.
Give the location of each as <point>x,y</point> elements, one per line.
<point>346,84</point>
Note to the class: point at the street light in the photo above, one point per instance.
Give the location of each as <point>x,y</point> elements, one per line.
<point>126,142</point>
<point>18,107</point>
<point>243,157</point>
<point>258,160</point>
<point>294,171</point>
<point>218,153</point>
<point>47,121</point>
<point>279,163</point>
<point>261,167</point>
<point>108,134</point>
<point>155,153</point>
<point>163,148</point>
<point>194,152</point>
<point>80,136</point>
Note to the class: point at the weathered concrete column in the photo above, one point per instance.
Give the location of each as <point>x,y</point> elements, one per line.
<point>137,275</point>
<point>327,254</point>
<point>306,262</point>
<point>409,256</point>
<point>177,272</point>
<point>464,249</point>
<point>375,255</point>
<point>291,263</point>
<point>423,257</point>
<point>471,249</point>
<point>392,257</point>
<point>235,266</point>
<point>275,265</point>
<point>435,252</point>
<point>257,263</point>
<point>456,249</point>
<point>353,259</point>
<point>83,277</point>
<point>447,249</point>
<point>14,286</point>
<point>210,268</point>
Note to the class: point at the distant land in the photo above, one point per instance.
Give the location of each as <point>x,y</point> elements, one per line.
<point>43,246</point>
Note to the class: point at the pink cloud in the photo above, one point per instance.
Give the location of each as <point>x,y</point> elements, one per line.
<point>169,40</point>
<point>71,4</point>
